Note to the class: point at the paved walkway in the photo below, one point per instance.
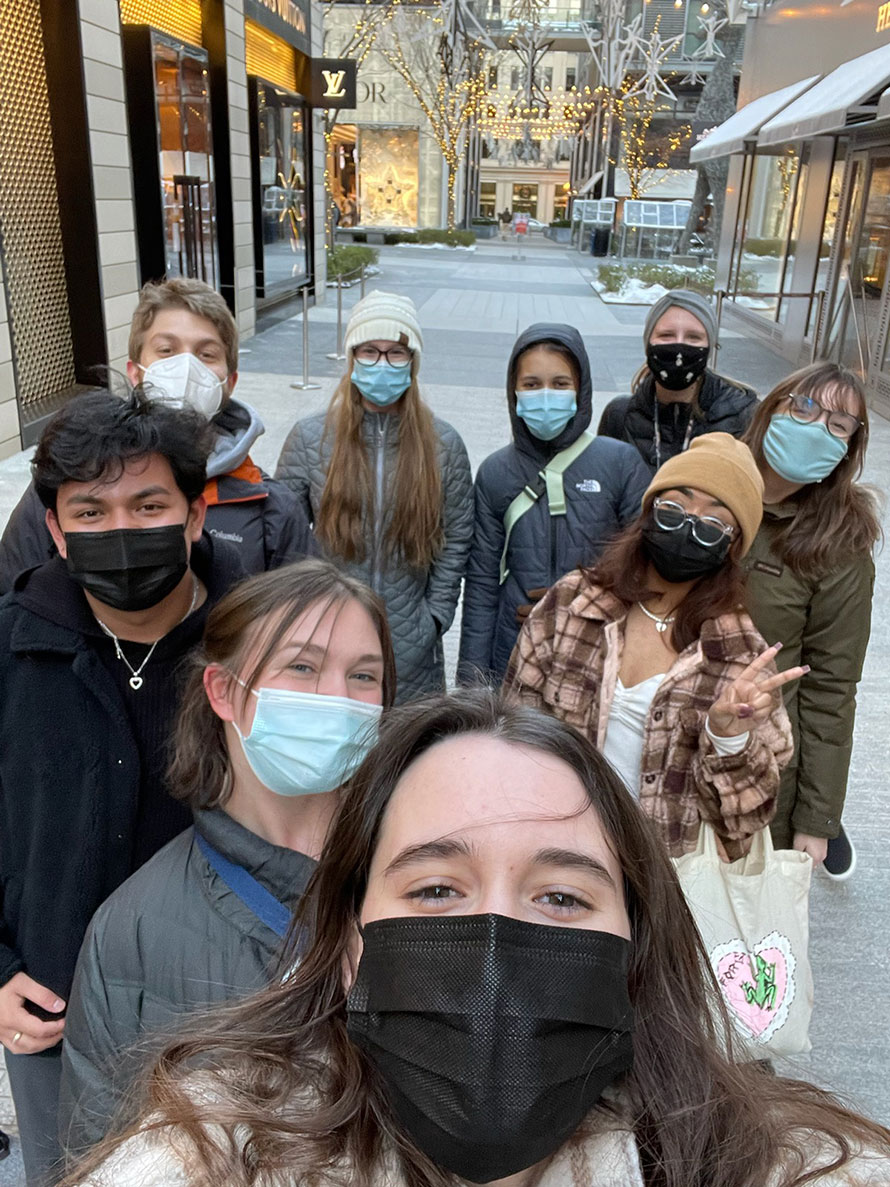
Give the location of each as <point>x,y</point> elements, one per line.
<point>471,306</point>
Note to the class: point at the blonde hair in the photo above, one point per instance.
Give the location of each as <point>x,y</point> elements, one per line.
<point>183,292</point>
<point>414,533</point>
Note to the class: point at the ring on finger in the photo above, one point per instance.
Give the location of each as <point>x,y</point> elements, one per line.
<point>16,1036</point>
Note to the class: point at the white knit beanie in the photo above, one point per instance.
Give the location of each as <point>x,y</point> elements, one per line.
<point>387,316</point>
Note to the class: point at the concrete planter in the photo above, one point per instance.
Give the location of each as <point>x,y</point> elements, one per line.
<point>484,230</point>
<point>559,234</point>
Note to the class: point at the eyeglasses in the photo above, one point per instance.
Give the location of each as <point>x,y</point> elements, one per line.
<point>805,410</point>
<point>708,530</point>
<point>396,356</point>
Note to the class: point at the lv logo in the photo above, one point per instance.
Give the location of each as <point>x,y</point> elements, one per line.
<point>334,88</point>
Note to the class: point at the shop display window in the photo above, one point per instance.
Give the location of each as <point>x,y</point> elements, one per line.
<point>186,160</point>
<point>829,229</point>
<point>283,189</point>
<point>488,199</point>
<point>773,190</point>
<point>342,175</point>
<point>525,199</point>
<point>389,176</point>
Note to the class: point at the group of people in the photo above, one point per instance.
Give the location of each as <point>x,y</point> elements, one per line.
<point>233,787</point>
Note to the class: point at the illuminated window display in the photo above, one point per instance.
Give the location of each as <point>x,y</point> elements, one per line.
<point>388,176</point>
<point>281,149</point>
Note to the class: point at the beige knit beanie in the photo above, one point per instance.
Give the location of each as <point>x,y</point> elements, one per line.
<point>387,316</point>
<point>725,469</point>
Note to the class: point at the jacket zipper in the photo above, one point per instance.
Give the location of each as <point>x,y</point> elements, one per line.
<point>380,449</point>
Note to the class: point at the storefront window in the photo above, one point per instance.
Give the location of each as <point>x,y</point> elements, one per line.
<point>342,162</point>
<point>787,283</point>
<point>284,204</point>
<point>186,161</point>
<point>487,199</point>
<point>829,228</point>
<point>388,176</point>
<point>771,201</point>
<point>525,199</point>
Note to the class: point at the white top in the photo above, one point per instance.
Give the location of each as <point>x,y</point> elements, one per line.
<point>627,723</point>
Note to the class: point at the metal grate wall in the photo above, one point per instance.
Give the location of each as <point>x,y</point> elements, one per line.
<point>30,234</point>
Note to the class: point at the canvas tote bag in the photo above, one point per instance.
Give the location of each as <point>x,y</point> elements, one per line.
<point>753,918</point>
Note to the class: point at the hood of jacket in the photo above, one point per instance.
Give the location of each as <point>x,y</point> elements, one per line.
<point>569,338</point>
<point>237,427</point>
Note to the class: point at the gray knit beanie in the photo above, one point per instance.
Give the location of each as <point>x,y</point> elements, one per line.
<point>692,302</point>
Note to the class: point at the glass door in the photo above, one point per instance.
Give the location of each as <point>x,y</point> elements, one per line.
<point>283,173</point>
<point>186,160</point>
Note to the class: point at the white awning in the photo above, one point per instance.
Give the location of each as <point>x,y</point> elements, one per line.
<point>730,136</point>
<point>846,97</point>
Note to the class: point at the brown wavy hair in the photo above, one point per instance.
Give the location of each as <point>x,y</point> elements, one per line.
<point>262,610</point>
<point>837,519</point>
<point>414,532</point>
<point>622,570</point>
<point>281,1068</point>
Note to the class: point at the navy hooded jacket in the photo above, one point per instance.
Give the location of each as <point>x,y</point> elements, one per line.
<point>603,490</point>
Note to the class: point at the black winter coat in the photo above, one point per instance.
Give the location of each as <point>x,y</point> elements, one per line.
<point>172,939</point>
<point>245,507</point>
<point>603,490</point>
<point>723,407</point>
<point>69,763</point>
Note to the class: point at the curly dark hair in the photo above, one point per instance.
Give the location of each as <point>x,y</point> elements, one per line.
<point>96,433</point>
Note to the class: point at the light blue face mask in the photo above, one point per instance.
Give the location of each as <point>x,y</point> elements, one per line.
<point>303,743</point>
<point>546,411</point>
<point>802,452</point>
<point>381,382</point>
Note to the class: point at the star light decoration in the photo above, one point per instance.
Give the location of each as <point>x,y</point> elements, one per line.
<point>711,27</point>
<point>654,51</point>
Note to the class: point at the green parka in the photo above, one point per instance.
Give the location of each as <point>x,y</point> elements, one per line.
<point>824,622</point>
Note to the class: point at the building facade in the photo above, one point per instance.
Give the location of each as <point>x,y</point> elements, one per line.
<point>162,138</point>
<point>805,241</point>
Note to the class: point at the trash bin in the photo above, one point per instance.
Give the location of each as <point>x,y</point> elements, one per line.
<point>599,241</point>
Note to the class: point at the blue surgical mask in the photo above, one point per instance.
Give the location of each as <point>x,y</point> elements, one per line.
<point>546,411</point>
<point>381,383</point>
<point>304,743</point>
<point>802,452</point>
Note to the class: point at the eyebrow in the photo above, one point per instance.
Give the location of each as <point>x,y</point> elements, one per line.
<point>96,501</point>
<point>555,858</point>
<point>316,649</point>
<point>685,490</point>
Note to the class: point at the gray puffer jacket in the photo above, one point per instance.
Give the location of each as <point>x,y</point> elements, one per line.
<point>420,604</point>
<point>603,488</point>
<point>173,938</point>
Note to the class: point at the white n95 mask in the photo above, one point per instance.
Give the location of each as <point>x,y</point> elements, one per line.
<point>183,381</point>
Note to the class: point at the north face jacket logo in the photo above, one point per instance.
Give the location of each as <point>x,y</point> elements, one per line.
<point>589,486</point>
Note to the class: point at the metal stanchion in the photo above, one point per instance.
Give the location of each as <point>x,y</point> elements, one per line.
<point>338,355</point>
<point>719,313</point>
<point>305,385</point>
<point>363,280</point>
<point>817,325</point>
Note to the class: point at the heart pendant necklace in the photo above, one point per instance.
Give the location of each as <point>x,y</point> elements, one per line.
<point>135,682</point>
<point>661,624</point>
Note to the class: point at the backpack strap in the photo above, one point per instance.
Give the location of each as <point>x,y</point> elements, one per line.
<point>556,498</point>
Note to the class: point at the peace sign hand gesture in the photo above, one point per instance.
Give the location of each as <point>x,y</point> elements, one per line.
<point>749,700</point>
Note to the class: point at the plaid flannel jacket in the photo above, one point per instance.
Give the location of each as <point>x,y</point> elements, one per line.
<point>567,660</point>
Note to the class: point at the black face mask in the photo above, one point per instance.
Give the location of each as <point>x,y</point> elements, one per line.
<point>675,365</point>
<point>678,556</point>
<point>494,1037</point>
<point>129,568</point>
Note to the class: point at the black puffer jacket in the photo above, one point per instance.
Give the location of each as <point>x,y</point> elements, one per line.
<point>723,407</point>
<point>172,939</point>
<point>245,507</point>
<point>603,489</point>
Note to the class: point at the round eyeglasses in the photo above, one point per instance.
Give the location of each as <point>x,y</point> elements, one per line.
<point>805,410</point>
<point>396,356</point>
<point>708,530</point>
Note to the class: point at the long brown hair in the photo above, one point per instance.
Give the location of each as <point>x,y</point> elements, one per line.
<point>837,520</point>
<point>262,609</point>
<point>622,567</point>
<point>414,530</point>
<point>281,1068</point>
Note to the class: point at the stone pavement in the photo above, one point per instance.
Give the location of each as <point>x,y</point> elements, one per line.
<point>471,306</point>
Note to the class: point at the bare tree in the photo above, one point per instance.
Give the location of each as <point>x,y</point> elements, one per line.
<point>440,54</point>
